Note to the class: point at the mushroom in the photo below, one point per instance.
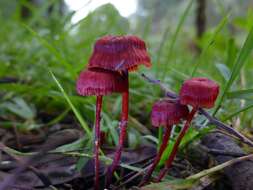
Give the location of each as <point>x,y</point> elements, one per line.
<point>119,54</point>
<point>99,83</point>
<point>199,93</point>
<point>165,113</point>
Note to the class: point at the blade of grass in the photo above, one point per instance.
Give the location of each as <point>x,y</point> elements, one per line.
<point>238,112</point>
<point>219,167</point>
<point>112,128</point>
<point>239,62</point>
<point>103,158</point>
<point>76,112</point>
<point>209,43</point>
<point>58,118</point>
<point>51,49</point>
<point>174,37</point>
<point>240,94</point>
<point>231,52</point>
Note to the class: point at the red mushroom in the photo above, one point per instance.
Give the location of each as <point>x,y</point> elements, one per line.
<point>199,93</point>
<point>99,83</point>
<point>121,54</point>
<point>165,113</point>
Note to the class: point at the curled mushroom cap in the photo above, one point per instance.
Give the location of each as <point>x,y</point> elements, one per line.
<point>119,53</point>
<point>167,113</point>
<point>100,83</point>
<point>199,92</point>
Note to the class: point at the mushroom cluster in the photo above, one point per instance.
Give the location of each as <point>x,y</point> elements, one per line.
<point>107,72</point>
<point>198,93</point>
<point>195,92</point>
<point>112,59</point>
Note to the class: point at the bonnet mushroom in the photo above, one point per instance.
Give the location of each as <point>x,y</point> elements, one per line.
<point>99,83</point>
<point>120,54</point>
<point>197,92</point>
<point>165,113</point>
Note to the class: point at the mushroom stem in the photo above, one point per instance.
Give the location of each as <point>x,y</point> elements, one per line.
<point>123,131</point>
<point>164,144</point>
<point>177,143</point>
<point>97,140</point>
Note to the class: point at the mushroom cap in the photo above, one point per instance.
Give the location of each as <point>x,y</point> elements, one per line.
<point>100,82</point>
<point>199,92</point>
<point>167,113</point>
<point>119,53</point>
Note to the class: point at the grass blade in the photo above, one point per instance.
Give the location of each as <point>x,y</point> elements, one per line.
<point>238,112</point>
<point>174,37</point>
<point>76,112</point>
<point>239,62</point>
<point>209,43</point>
<point>50,48</point>
<point>240,94</point>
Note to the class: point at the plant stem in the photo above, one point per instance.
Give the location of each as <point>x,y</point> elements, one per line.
<point>177,143</point>
<point>97,140</point>
<point>164,144</point>
<point>123,131</point>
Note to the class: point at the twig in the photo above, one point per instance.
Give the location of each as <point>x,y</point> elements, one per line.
<point>212,120</point>
<point>220,167</point>
<point>129,177</point>
<point>225,153</point>
<point>221,125</point>
<point>222,152</point>
<point>134,176</point>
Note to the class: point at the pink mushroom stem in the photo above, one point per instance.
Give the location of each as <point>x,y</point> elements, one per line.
<point>164,144</point>
<point>123,132</point>
<point>97,140</point>
<point>176,145</point>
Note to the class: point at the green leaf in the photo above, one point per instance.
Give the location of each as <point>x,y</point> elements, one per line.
<point>19,107</point>
<point>76,145</point>
<point>151,138</point>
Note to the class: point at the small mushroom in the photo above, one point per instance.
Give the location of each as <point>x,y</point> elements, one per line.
<point>165,113</point>
<point>120,54</point>
<point>198,93</point>
<point>99,83</point>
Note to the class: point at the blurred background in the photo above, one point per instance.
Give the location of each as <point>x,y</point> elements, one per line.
<point>184,38</point>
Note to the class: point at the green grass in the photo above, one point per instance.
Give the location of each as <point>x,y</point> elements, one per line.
<point>74,109</point>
